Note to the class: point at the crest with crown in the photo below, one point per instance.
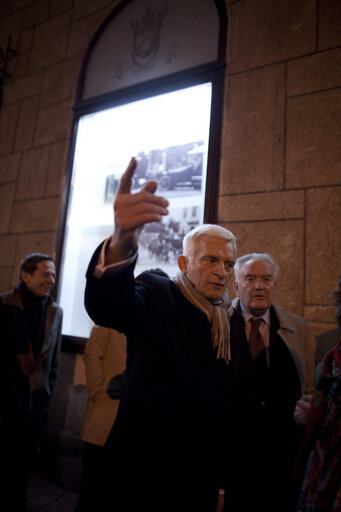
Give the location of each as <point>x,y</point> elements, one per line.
<point>146,33</point>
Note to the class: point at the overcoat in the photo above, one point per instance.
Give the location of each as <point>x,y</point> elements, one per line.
<point>263,435</point>
<point>44,372</point>
<point>174,382</point>
<point>171,419</point>
<point>105,358</point>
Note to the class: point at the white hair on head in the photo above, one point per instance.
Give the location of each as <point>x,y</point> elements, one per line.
<point>255,256</point>
<point>212,230</point>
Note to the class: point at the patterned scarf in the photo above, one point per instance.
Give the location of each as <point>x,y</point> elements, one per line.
<point>217,313</point>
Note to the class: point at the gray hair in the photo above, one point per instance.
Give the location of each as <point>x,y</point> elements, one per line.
<point>213,230</point>
<point>263,256</point>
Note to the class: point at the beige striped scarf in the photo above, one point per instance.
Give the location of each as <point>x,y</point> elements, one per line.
<point>217,313</point>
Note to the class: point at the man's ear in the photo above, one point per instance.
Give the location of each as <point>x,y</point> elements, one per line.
<point>235,286</point>
<point>182,263</point>
<point>25,276</point>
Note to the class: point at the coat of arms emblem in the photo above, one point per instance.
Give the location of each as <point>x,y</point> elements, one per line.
<point>146,34</point>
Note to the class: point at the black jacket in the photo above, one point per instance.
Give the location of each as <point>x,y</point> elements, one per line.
<point>174,402</point>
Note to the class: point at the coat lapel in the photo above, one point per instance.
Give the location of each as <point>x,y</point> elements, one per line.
<point>50,318</point>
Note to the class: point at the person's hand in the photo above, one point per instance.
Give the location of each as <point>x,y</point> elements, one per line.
<point>26,362</point>
<point>302,408</point>
<point>132,212</point>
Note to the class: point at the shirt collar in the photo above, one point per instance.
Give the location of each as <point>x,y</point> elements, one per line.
<point>247,316</point>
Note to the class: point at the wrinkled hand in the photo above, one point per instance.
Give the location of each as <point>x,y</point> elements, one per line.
<point>302,408</point>
<point>132,212</point>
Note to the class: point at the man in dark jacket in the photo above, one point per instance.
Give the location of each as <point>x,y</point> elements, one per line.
<point>29,356</point>
<point>276,368</point>
<point>169,429</point>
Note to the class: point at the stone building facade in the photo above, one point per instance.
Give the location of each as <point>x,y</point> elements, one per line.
<point>280,166</point>
<point>280,162</point>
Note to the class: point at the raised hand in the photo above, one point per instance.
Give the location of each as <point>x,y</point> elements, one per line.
<point>132,212</point>
<point>302,408</point>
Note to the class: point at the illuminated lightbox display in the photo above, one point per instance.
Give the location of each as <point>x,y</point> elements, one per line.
<point>168,135</point>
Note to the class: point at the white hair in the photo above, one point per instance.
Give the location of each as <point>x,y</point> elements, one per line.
<point>190,241</point>
<point>255,256</point>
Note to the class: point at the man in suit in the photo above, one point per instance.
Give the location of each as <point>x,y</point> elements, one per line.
<point>30,347</point>
<point>276,367</point>
<point>162,447</point>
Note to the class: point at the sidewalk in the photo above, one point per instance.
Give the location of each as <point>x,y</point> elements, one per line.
<point>44,496</point>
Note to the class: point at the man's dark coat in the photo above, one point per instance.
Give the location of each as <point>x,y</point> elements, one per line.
<point>262,435</point>
<point>172,414</point>
<point>26,387</point>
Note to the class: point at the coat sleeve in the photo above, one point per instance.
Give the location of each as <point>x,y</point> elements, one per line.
<point>295,333</point>
<point>94,353</point>
<point>56,356</point>
<point>111,300</point>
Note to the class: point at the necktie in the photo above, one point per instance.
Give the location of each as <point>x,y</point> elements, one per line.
<point>256,341</point>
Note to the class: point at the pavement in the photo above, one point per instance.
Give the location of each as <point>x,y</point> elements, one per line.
<point>45,496</point>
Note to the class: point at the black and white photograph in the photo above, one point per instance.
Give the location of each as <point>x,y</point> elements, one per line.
<point>170,144</point>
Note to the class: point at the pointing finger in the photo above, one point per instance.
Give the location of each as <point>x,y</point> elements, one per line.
<point>126,178</point>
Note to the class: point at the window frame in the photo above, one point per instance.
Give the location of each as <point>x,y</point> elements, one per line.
<point>213,72</point>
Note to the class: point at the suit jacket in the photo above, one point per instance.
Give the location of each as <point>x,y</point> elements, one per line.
<point>44,372</point>
<point>294,332</point>
<point>262,402</point>
<point>104,357</point>
<point>176,389</point>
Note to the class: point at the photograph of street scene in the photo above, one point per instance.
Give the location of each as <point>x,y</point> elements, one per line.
<point>178,171</point>
<point>168,134</point>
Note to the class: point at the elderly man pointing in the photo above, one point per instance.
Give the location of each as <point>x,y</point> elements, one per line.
<point>169,428</point>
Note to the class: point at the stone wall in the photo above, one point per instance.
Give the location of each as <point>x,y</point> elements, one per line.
<point>280,162</point>
<point>281,154</point>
